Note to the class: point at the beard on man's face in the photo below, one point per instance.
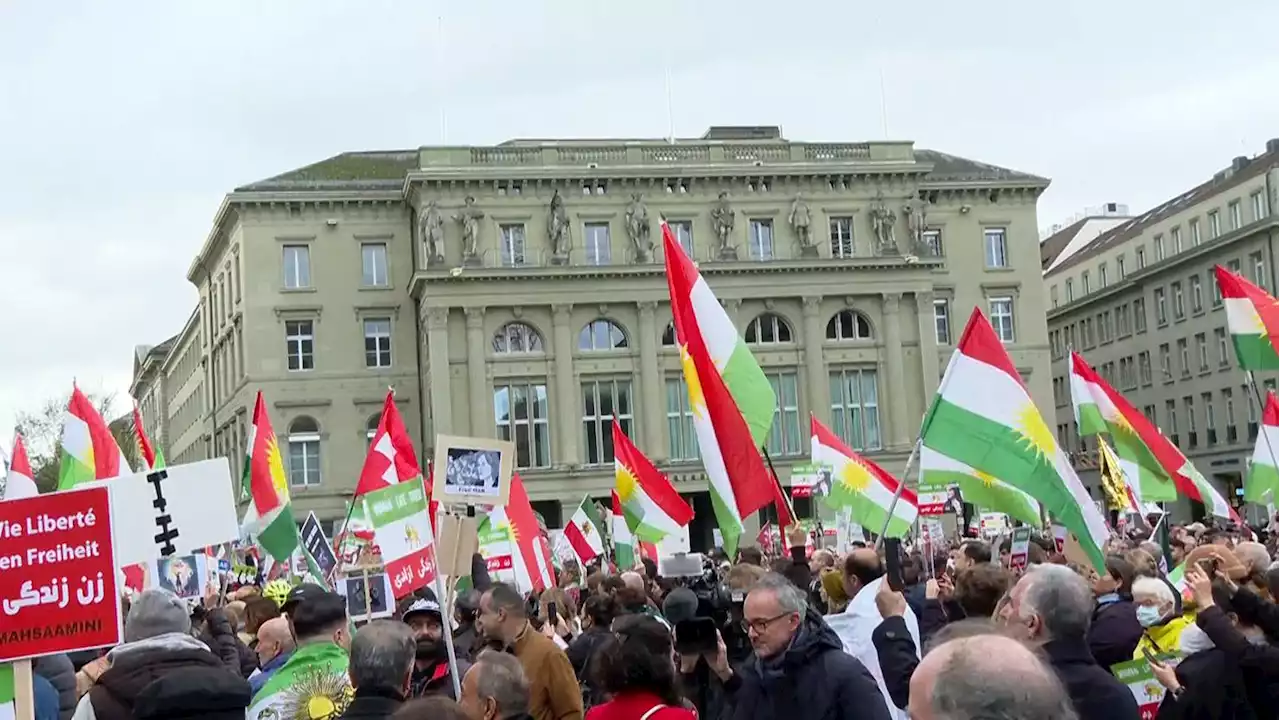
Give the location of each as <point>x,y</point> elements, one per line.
<point>431,650</point>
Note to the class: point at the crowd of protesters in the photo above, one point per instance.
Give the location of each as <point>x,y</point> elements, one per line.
<point>803,635</point>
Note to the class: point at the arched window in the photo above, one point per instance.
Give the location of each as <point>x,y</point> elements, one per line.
<point>848,325</point>
<point>602,334</point>
<point>304,452</point>
<point>767,329</point>
<point>517,337</point>
<point>371,429</point>
<point>669,335</point>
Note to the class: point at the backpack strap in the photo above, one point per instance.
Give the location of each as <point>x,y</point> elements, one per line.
<point>652,711</point>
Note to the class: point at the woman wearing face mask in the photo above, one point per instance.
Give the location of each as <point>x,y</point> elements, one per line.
<point>1224,674</point>
<point>1158,614</point>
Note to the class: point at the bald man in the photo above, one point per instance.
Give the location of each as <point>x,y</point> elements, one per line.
<point>986,676</point>
<point>275,646</point>
<point>633,580</point>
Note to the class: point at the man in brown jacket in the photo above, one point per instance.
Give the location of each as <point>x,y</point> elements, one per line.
<point>553,687</point>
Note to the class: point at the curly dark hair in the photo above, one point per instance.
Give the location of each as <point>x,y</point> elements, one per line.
<point>601,609</point>
<point>638,657</point>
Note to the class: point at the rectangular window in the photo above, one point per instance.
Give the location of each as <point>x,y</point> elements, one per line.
<point>841,236</point>
<point>1189,406</point>
<point>1102,274</point>
<point>511,238</point>
<point>855,408</point>
<point>1071,294</point>
<point>1202,351</point>
<point>1175,238</point>
<point>1259,270</point>
<point>942,321</point>
<point>373,265</point>
<point>1233,215</point>
<point>1140,256</point>
<point>297,266</point>
<point>1084,282</point>
<point>997,248</point>
<point>1224,355</point>
<point>377,343</point>
<point>1229,413</point>
<point>1257,200</point>
<point>601,401</point>
<point>1215,224</point>
<point>1171,417</point>
<point>1000,310</point>
<point>1179,306</point>
<point>1053,295</point>
<point>1140,315</point>
<point>1197,293</point>
<point>521,416</point>
<point>1162,307</point>
<point>595,241</point>
<point>1193,226</point>
<point>1157,247</point>
<point>1120,267</point>
<point>682,440</point>
<point>1165,370</point>
<point>1210,421</point>
<point>932,239</point>
<point>1150,412</point>
<point>1184,357</point>
<point>1144,367</point>
<point>785,437</point>
<point>300,344</point>
<point>1124,320</point>
<point>760,240</point>
<point>683,230</point>
<point>304,459</point>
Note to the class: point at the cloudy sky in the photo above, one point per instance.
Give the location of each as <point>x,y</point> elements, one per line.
<point>123,124</point>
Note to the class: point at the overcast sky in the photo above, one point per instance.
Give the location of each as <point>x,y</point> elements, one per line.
<point>123,124</point>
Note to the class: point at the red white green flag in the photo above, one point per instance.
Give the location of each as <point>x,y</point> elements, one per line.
<point>650,504</point>
<point>730,398</point>
<point>585,532</point>
<point>624,548</point>
<point>270,514</point>
<point>1262,485</point>
<point>89,450</point>
<point>151,455</point>
<point>861,485</point>
<point>20,481</point>
<point>1253,319</point>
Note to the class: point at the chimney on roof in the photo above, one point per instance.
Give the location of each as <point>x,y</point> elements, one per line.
<point>1273,145</point>
<point>1238,163</point>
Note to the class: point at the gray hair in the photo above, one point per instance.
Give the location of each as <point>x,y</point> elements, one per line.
<point>789,597</point>
<point>502,680</point>
<point>1061,598</point>
<point>381,655</point>
<point>969,687</point>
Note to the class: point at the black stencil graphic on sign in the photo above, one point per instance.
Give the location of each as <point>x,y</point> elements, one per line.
<point>167,534</point>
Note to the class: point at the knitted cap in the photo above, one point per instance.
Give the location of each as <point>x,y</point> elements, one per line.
<point>156,612</point>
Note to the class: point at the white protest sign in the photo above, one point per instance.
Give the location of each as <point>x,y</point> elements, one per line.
<point>173,511</point>
<point>677,543</point>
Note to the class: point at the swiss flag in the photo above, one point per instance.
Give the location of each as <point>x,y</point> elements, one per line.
<point>391,457</point>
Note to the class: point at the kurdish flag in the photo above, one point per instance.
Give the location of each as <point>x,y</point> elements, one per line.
<point>151,455</point>
<point>1100,409</point>
<point>983,417</point>
<point>624,548</point>
<point>1263,483</point>
<point>861,485</point>
<point>650,504</point>
<point>1253,318</point>
<point>978,487</point>
<point>89,451</point>
<point>585,531</point>
<point>1152,454</point>
<point>20,481</point>
<point>270,514</point>
<point>730,397</point>
<point>313,683</point>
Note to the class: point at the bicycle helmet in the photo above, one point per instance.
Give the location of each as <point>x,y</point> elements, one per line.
<point>277,591</point>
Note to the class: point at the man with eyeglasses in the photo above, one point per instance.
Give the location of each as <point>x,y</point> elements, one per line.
<point>798,668</point>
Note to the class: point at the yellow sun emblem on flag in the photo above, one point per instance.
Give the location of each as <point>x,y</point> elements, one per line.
<point>625,483</point>
<point>411,537</point>
<point>1122,424</point>
<point>855,477</point>
<point>986,478</point>
<point>697,404</point>
<point>276,467</point>
<point>1034,432</point>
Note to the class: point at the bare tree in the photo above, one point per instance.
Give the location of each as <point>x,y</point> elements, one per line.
<point>41,430</point>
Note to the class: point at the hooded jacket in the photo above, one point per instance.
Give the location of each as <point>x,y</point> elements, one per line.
<point>135,665</point>
<point>814,678</point>
<point>61,674</point>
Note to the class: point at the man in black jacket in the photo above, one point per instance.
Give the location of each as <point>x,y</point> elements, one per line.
<point>380,669</point>
<point>798,668</point>
<point>1051,606</point>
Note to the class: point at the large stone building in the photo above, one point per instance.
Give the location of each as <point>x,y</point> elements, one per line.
<point>1140,303</point>
<point>518,291</point>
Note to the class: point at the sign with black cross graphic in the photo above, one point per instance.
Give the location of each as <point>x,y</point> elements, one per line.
<point>173,511</point>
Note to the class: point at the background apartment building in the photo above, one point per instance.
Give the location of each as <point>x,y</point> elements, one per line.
<point>1141,304</point>
<point>518,291</point>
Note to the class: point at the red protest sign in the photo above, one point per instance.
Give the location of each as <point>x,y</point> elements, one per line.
<point>58,588</point>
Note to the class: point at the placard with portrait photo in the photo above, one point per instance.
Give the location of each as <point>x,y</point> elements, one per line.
<point>472,471</point>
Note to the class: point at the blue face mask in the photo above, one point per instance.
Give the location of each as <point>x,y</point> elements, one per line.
<point>1148,615</point>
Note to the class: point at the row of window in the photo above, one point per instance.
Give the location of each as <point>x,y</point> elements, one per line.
<point>1174,246</point>
<point>522,415</point>
<point>1130,318</point>
<point>1189,437</point>
<point>374,271</point>
<point>999,312</point>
